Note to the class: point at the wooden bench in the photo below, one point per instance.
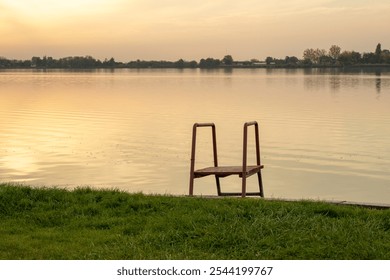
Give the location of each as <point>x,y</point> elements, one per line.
<point>242,171</point>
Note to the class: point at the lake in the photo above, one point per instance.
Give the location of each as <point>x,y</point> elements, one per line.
<point>324,134</point>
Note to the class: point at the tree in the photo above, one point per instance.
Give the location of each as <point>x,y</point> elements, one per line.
<point>314,55</point>
<point>291,60</point>
<point>326,60</point>
<point>350,58</point>
<point>109,63</point>
<point>179,63</point>
<point>319,53</point>
<point>334,52</point>
<point>369,58</point>
<point>192,64</point>
<point>209,63</point>
<point>36,61</point>
<point>269,60</point>
<point>228,60</point>
<point>385,56</point>
<point>309,55</point>
<point>378,49</point>
<point>378,53</point>
<point>4,63</point>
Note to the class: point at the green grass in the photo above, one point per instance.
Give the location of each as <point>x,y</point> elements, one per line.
<point>49,223</point>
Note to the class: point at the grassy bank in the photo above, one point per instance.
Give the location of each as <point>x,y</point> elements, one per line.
<point>90,224</point>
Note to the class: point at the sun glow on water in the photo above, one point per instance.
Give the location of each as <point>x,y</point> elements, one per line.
<point>20,161</point>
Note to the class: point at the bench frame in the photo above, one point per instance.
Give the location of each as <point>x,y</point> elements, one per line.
<point>242,171</point>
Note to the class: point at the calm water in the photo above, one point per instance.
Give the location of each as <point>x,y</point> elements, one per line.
<point>324,134</point>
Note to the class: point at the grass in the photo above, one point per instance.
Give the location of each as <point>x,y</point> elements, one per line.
<point>49,223</point>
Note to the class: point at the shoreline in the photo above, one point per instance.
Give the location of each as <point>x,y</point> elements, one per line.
<point>372,205</point>
<point>225,67</point>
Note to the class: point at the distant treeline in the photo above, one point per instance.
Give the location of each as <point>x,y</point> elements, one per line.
<point>311,58</point>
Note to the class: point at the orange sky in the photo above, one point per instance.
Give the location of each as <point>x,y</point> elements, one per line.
<point>174,29</point>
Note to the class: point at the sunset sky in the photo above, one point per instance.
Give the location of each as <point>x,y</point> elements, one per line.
<point>174,29</point>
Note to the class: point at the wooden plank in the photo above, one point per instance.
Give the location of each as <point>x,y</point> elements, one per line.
<point>239,194</point>
<point>223,171</point>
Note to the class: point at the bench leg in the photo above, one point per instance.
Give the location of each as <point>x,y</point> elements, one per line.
<point>218,185</point>
<point>260,184</point>
<point>243,191</point>
<point>191,187</point>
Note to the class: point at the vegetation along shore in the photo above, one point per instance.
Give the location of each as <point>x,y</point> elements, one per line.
<point>311,58</point>
<point>52,223</point>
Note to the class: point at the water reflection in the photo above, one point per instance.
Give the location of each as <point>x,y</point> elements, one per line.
<point>317,79</point>
<point>324,134</point>
<point>335,83</point>
<point>378,81</point>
